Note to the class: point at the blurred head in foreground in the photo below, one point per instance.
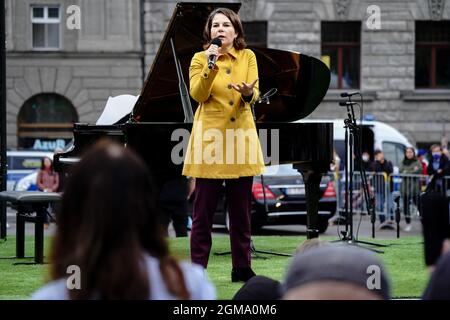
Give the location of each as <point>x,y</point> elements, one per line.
<point>108,221</point>
<point>336,272</point>
<point>438,287</point>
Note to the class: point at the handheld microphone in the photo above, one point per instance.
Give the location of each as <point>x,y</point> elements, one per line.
<point>213,58</point>
<point>348,94</point>
<point>347,103</point>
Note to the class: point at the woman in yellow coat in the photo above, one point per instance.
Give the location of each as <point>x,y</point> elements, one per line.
<point>224,145</point>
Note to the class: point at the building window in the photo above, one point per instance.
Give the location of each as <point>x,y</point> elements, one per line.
<point>255,33</point>
<point>45,21</point>
<point>341,42</point>
<point>432,54</point>
<point>45,122</point>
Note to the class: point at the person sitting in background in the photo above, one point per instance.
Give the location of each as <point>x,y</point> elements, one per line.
<point>336,272</point>
<point>109,227</point>
<point>410,186</point>
<point>47,181</point>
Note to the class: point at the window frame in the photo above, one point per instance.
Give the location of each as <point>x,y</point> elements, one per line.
<point>432,45</point>
<point>339,45</point>
<point>31,128</point>
<point>46,21</point>
<point>340,63</point>
<point>262,44</point>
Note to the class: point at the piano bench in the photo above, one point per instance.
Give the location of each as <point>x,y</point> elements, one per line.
<point>28,202</point>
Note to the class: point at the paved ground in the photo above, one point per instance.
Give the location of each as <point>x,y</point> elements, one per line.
<point>365,229</point>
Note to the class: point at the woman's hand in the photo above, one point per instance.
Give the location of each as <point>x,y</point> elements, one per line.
<point>246,89</point>
<point>213,50</point>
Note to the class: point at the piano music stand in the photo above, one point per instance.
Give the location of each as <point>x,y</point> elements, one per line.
<point>352,134</point>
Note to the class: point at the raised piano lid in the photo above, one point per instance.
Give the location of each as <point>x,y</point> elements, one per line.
<point>302,81</point>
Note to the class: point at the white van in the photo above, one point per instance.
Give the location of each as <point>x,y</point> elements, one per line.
<point>375,135</point>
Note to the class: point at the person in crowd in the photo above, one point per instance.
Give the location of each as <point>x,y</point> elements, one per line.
<point>438,165</point>
<point>336,272</point>
<point>335,165</point>
<point>110,230</point>
<point>47,181</point>
<point>225,91</point>
<point>259,288</point>
<point>173,201</point>
<point>265,288</point>
<point>446,152</point>
<point>362,165</point>
<point>410,186</point>
<point>384,166</point>
<point>366,164</point>
<point>421,156</point>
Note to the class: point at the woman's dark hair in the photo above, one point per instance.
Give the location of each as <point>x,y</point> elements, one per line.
<point>414,154</point>
<point>43,166</point>
<point>239,42</point>
<point>107,222</point>
<point>434,146</point>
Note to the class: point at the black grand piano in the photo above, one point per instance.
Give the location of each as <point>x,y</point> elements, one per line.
<point>301,82</point>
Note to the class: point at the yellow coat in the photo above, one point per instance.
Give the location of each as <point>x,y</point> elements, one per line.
<point>223,142</point>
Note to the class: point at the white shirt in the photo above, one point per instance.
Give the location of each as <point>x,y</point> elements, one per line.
<point>195,277</point>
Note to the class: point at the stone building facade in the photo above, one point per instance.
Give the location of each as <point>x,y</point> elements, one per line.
<point>119,39</point>
<point>104,58</point>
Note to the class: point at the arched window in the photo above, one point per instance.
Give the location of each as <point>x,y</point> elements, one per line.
<point>45,122</point>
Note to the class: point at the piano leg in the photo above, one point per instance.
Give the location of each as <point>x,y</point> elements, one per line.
<point>312,180</point>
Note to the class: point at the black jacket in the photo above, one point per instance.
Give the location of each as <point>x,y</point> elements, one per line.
<point>444,164</point>
<point>368,166</point>
<point>386,167</point>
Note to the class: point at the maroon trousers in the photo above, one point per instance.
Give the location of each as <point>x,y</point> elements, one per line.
<point>238,193</point>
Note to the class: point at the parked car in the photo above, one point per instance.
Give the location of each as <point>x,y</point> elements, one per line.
<point>285,202</point>
<point>21,163</point>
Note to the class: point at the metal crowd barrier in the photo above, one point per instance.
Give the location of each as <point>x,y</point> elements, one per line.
<point>409,187</point>
<point>377,186</point>
<point>385,189</point>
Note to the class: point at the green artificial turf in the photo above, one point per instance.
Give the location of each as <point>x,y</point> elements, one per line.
<point>403,260</point>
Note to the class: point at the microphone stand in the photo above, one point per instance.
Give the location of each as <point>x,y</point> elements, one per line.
<point>352,134</point>
<point>396,196</point>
